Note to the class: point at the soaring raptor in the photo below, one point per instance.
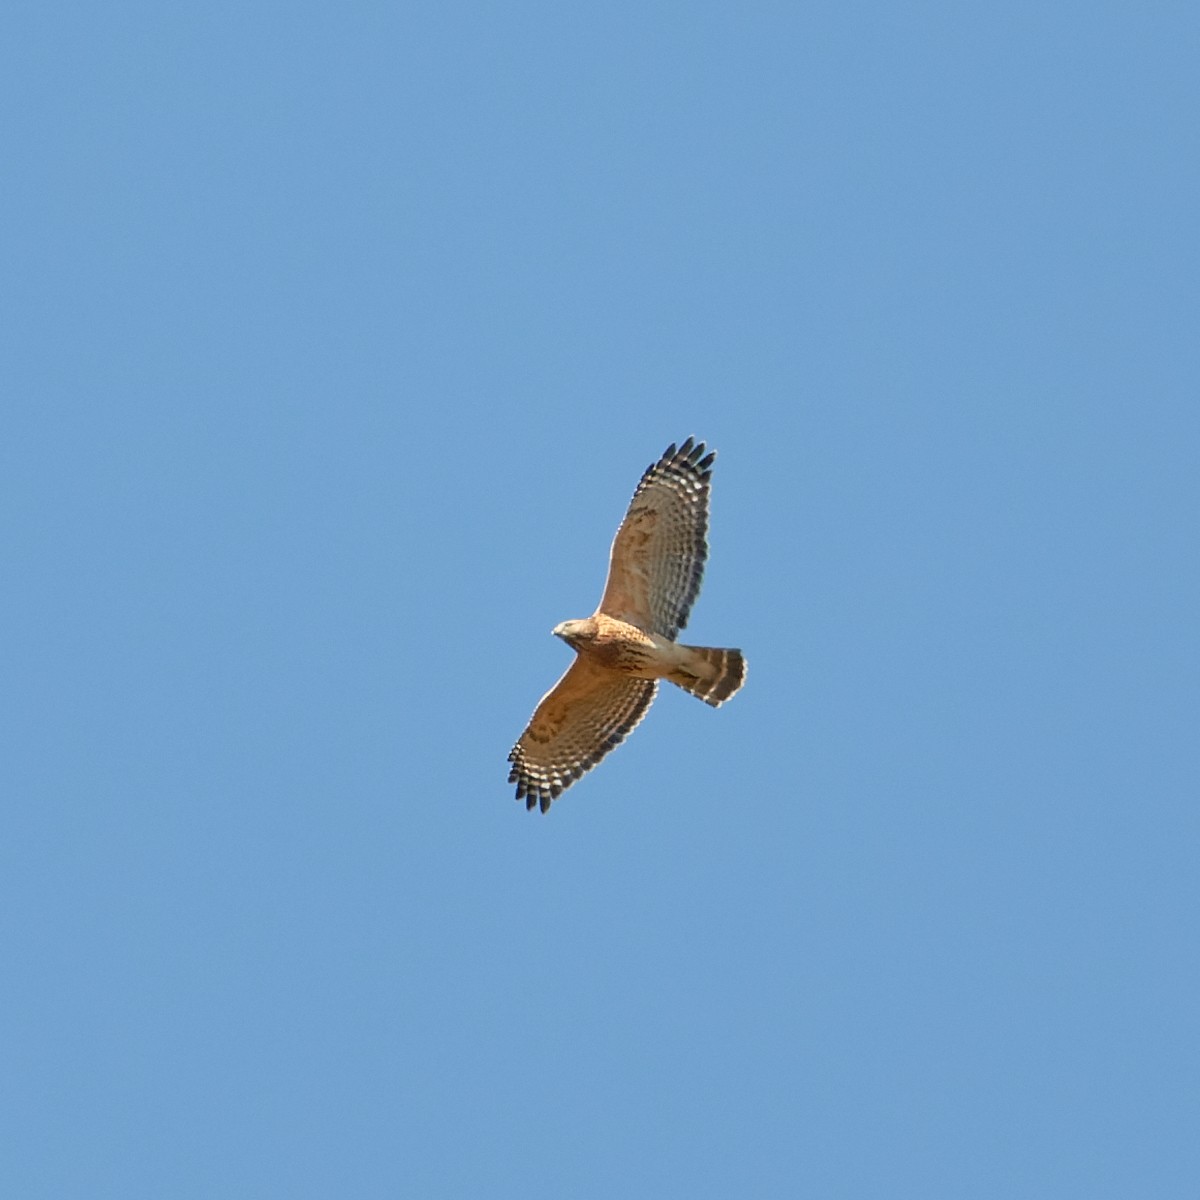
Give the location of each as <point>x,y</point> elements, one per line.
<point>628,644</point>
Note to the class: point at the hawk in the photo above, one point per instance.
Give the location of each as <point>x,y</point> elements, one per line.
<point>628,644</point>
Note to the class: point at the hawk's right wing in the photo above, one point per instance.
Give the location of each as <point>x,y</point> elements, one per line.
<point>579,720</point>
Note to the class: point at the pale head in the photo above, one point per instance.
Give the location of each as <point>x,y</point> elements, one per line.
<point>575,632</point>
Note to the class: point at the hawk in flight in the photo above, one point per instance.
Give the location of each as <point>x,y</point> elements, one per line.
<point>628,644</point>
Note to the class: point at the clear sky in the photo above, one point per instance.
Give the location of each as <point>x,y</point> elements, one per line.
<point>334,341</point>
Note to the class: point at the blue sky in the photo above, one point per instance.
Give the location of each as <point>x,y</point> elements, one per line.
<point>334,342</point>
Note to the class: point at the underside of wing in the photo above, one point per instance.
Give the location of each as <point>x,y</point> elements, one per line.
<point>579,720</point>
<point>657,559</point>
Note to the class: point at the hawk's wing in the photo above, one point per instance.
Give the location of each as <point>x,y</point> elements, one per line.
<point>657,558</point>
<point>578,721</point>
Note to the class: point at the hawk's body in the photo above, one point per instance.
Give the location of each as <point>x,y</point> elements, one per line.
<point>628,644</point>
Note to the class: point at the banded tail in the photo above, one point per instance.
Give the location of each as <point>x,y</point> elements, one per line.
<point>710,675</point>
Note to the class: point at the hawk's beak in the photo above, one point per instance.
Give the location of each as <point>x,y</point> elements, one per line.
<point>560,631</point>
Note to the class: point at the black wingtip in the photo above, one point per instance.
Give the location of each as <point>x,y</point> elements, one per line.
<point>690,452</point>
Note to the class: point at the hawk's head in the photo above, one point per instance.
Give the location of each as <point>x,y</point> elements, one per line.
<point>575,632</point>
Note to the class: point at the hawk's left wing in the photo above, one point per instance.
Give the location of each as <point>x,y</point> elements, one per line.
<point>658,555</point>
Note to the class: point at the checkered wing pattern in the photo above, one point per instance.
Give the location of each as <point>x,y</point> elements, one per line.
<point>658,555</point>
<point>578,721</point>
